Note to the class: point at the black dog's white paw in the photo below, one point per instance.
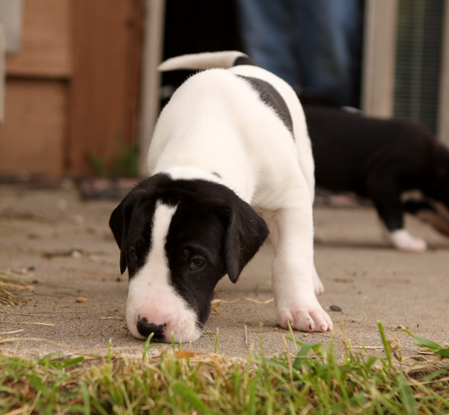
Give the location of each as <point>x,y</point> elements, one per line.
<point>402,240</point>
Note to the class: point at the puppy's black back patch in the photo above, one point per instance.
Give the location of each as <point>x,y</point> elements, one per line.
<point>272,98</point>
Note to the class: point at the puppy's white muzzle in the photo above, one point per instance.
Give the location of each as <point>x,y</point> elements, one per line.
<point>159,310</point>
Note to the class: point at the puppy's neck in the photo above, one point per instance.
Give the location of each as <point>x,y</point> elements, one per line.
<point>194,173</point>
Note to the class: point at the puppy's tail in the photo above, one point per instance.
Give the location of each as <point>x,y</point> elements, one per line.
<point>202,61</point>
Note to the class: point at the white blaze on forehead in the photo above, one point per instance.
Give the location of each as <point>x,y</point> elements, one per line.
<point>150,294</point>
<point>157,258</point>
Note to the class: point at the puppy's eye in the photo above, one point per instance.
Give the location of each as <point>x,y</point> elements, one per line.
<point>196,264</point>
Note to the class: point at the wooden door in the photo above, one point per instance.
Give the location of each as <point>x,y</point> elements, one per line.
<point>72,89</point>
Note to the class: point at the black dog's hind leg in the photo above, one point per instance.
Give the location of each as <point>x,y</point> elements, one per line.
<point>386,196</point>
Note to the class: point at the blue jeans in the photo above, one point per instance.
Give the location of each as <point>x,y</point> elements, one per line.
<point>315,44</point>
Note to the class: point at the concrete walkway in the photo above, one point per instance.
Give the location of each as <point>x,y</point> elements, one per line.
<point>63,248</point>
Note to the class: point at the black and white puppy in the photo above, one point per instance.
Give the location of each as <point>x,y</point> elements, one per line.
<point>387,161</point>
<point>230,141</point>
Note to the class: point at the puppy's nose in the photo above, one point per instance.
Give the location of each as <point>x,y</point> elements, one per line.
<point>145,328</point>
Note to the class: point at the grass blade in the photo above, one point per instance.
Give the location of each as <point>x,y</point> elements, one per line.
<point>216,341</point>
<point>429,344</point>
<point>252,400</point>
<point>385,343</point>
<point>186,394</point>
<point>407,396</point>
<point>147,345</point>
<point>86,398</point>
<point>37,384</point>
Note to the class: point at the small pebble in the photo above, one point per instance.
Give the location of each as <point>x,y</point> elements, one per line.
<point>81,299</point>
<point>336,308</point>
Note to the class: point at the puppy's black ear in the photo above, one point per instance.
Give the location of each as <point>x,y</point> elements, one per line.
<point>244,236</point>
<point>119,223</point>
<point>130,205</point>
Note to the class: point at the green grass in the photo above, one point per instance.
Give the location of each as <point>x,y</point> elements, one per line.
<point>310,381</point>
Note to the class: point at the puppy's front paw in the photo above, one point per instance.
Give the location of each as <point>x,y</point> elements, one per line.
<point>305,318</point>
<point>401,239</point>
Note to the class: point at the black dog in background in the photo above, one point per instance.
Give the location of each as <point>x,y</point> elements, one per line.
<point>383,160</point>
